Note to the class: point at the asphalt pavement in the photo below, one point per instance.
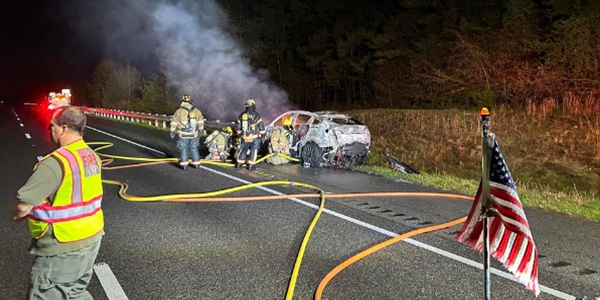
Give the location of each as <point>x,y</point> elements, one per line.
<point>247,249</point>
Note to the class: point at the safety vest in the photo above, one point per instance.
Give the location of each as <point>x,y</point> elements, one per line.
<point>75,213</point>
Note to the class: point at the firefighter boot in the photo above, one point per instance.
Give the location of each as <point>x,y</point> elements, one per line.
<point>252,167</point>
<point>238,165</point>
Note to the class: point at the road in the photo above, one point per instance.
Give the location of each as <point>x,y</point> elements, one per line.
<point>247,249</point>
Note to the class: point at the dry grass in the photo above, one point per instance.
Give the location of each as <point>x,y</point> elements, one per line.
<point>553,150</point>
<point>549,147</point>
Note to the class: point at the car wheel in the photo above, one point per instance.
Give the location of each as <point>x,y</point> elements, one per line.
<point>311,155</point>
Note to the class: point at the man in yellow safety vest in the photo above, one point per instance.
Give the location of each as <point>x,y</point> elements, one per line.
<point>62,202</point>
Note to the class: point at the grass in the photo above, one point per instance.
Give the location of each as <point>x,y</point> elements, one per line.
<point>552,150</point>
<point>578,204</point>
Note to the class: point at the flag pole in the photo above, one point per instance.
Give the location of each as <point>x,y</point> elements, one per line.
<point>485,196</point>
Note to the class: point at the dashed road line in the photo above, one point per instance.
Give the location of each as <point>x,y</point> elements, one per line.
<point>109,282</point>
<point>28,136</point>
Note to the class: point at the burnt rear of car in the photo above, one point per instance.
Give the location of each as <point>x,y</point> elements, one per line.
<point>352,141</point>
<point>354,144</point>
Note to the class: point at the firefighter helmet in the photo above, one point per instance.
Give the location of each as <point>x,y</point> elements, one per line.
<point>186,97</point>
<point>250,102</point>
<point>228,130</point>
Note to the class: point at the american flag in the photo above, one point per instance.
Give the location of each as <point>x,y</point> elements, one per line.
<point>511,241</point>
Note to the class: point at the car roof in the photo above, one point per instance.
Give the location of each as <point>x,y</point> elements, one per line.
<point>325,114</point>
<point>332,114</point>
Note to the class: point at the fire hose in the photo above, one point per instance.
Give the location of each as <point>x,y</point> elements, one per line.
<point>211,196</point>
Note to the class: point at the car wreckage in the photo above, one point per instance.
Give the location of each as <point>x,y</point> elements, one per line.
<point>324,138</point>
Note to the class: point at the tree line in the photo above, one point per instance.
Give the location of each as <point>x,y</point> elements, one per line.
<point>339,54</point>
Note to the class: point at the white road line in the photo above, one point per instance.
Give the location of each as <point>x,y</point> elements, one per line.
<point>436,250</point>
<point>28,136</point>
<point>109,282</point>
<point>21,124</point>
<point>125,140</point>
<point>439,251</point>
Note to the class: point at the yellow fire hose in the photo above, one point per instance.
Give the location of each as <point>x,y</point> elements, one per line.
<point>211,197</point>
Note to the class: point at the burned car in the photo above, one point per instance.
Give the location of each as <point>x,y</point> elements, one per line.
<point>324,138</point>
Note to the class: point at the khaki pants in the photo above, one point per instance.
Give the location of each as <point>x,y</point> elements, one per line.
<point>63,276</point>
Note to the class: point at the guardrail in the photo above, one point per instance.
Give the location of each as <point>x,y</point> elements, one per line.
<point>156,120</point>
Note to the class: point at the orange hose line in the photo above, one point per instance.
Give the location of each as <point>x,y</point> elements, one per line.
<point>400,194</point>
<point>378,247</point>
<point>135,165</point>
<point>345,195</point>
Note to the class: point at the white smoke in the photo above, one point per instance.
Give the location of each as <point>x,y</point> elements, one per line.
<point>186,41</point>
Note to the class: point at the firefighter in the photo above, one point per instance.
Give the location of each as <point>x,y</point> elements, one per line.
<point>187,123</point>
<point>219,144</point>
<point>251,129</point>
<point>280,141</point>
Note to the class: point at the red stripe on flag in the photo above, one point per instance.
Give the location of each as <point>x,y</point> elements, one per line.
<point>509,213</point>
<point>494,230</point>
<point>470,237</point>
<point>502,194</point>
<point>510,261</point>
<point>504,242</point>
<point>525,260</point>
<point>534,273</point>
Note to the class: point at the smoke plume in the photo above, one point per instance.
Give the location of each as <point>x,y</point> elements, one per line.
<point>186,41</point>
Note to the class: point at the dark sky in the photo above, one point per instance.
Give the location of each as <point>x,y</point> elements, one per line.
<point>40,53</point>
<point>49,45</point>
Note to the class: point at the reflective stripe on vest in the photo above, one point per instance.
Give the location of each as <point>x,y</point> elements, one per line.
<point>75,172</point>
<point>50,214</point>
